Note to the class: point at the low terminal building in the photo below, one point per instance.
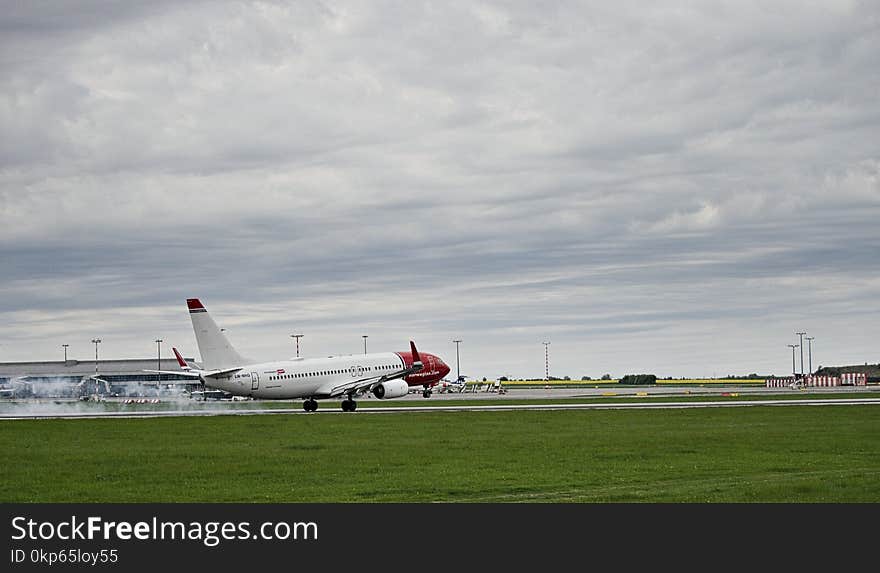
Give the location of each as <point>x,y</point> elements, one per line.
<point>871,372</point>
<point>78,378</point>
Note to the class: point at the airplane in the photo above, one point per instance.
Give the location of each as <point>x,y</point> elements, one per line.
<point>442,386</point>
<point>385,374</point>
<point>452,385</point>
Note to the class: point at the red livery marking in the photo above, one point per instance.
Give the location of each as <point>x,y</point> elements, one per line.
<point>194,304</point>
<point>279,371</point>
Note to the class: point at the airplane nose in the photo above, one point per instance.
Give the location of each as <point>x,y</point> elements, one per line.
<point>444,369</point>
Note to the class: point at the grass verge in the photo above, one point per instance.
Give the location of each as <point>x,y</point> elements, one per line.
<point>755,454</point>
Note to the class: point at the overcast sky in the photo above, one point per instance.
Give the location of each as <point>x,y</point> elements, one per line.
<point>672,188</point>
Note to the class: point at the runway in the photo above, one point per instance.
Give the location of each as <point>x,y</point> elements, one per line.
<point>331,409</point>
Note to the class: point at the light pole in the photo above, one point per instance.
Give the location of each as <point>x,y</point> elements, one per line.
<point>810,340</point>
<point>457,368</point>
<point>801,335</point>
<point>546,360</point>
<point>793,370</point>
<point>158,363</point>
<point>364,336</point>
<point>65,352</point>
<point>297,337</point>
<point>96,342</point>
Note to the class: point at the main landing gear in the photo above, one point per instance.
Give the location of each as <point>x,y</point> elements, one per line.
<point>426,393</point>
<point>348,405</point>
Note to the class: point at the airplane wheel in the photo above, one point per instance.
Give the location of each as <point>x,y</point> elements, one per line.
<point>426,393</point>
<point>349,405</point>
<point>310,405</point>
<point>353,406</point>
<point>345,405</point>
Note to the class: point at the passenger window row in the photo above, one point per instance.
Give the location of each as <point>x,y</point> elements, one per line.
<point>325,373</point>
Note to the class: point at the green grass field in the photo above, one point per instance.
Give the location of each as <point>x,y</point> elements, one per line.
<point>754,454</point>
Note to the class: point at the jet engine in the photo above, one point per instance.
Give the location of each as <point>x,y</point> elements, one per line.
<point>391,389</point>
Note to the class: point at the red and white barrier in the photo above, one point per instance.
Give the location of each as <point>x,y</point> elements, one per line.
<point>823,381</point>
<point>854,379</point>
<point>847,379</point>
<point>778,382</point>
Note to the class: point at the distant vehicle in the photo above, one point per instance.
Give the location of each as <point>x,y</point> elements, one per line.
<point>385,374</point>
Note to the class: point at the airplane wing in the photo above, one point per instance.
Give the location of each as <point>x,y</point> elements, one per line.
<point>196,373</point>
<point>177,372</point>
<point>362,385</point>
<point>215,373</point>
<point>358,386</point>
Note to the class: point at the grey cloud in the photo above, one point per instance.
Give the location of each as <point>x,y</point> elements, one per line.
<point>598,173</point>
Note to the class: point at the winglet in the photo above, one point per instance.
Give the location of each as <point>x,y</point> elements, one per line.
<point>415,353</point>
<point>195,305</point>
<point>180,359</point>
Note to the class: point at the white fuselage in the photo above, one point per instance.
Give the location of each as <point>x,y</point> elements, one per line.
<point>304,378</point>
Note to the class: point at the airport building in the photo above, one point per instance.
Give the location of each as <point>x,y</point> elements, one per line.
<point>831,376</point>
<point>77,378</point>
